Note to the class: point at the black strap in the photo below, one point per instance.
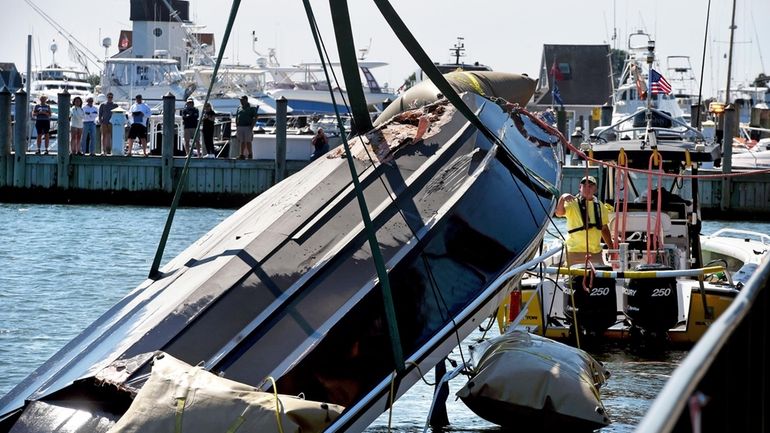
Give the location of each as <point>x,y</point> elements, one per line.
<point>597,224</point>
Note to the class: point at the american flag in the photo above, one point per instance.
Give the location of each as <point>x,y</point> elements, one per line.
<point>658,83</point>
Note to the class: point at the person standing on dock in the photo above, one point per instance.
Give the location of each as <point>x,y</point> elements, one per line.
<point>89,127</point>
<point>105,116</point>
<point>140,114</point>
<point>320,144</point>
<point>587,220</point>
<point>42,115</point>
<point>190,116</point>
<point>245,120</point>
<point>76,125</point>
<point>209,118</point>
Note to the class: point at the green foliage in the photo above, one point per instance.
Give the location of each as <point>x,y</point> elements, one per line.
<point>617,58</point>
<point>762,80</point>
<point>94,80</point>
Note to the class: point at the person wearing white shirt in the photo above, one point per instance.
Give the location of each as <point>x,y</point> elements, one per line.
<point>91,113</point>
<point>139,114</point>
<point>76,125</point>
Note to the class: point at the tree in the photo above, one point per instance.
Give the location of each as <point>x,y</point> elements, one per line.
<point>617,60</point>
<point>762,80</point>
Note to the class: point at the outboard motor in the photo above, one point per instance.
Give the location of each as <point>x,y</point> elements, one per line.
<point>596,309</point>
<point>651,303</point>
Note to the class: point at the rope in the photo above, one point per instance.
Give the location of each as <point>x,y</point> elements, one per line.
<point>277,401</point>
<point>655,158</point>
<point>608,164</point>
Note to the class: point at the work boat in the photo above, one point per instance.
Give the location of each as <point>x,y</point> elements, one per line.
<point>630,97</point>
<point>660,281</point>
<point>286,287</point>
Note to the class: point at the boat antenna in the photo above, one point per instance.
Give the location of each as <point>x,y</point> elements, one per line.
<point>650,60</point>
<point>702,66</point>
<point>192,39</point>
<point>730,56</point>
<point>82,51</point>
<point>458,50</point>
<point>53,47</point>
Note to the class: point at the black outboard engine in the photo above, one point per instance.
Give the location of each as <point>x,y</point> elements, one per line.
<point>651,303</point>
<point>596,308</point>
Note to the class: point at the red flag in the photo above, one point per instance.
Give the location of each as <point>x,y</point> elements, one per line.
<point>555,72</point>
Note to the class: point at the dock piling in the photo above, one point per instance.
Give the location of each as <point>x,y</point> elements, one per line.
<point>63,140</point>
<point>280,138</point>
<point>20,139</point>
<point>167,145</point>
<point>730,131</point>
<point>5,136</point>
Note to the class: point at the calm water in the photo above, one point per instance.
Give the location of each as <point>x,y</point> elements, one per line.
<point>62,266</point>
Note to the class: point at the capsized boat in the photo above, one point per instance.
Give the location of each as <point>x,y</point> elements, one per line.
<point>533,383</point>
<point>286,287</point>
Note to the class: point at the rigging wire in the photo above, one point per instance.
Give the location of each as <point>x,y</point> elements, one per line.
<point>703,65</point>
<point>79,46</point>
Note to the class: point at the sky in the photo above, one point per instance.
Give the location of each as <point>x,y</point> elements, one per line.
<point>505,34</point>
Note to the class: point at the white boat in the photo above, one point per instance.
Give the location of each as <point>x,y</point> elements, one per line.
<point>233,82</point>
<point>629,99</point>
<point>457,51</point>
<point>54,79</point>
<point>309,95</point>
<point>152,78</point>
<point>684,86</point>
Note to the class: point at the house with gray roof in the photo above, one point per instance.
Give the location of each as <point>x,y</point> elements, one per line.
<point>583,75</point>
<point>10,77</point>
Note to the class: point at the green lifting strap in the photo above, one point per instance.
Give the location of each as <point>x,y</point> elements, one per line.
<point>379,262</point>
<point>362,121</point>
<point>183,175</point>
<point>426,64</point>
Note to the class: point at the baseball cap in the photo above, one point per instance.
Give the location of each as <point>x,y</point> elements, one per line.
<point>190,100</point>
<point>590,179</point>
<point>244,98</point>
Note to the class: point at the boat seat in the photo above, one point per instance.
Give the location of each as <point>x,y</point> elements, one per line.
<point>637,222</point>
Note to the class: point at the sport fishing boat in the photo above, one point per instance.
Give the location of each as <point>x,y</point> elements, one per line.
<point>660,281</point>
<point>631,97</point>
<point>289,287</point>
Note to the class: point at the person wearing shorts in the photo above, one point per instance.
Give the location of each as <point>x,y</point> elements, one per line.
<point>42,115</point>
<point>140,113</point>
<point>245,120</point>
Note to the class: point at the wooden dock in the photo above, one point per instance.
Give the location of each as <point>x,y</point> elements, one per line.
<point>227,182</point>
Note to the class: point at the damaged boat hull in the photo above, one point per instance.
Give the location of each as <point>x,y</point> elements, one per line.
<point>286,287</point>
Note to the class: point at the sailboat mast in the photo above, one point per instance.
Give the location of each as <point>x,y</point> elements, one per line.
<point>730,56</point>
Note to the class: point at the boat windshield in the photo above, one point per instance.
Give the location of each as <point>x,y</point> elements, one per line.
<point>142,74</point>
<point>61,75</point>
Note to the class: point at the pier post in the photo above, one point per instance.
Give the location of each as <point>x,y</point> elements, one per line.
<point>561,122</point>
<point>167,145</point>
<point>730,131</point>
<point>5,136</point>
<point>606,118</point>
<point>695,116</point>
<point>280,138</point>
<point>63,140</point>
<point>20,139</point>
